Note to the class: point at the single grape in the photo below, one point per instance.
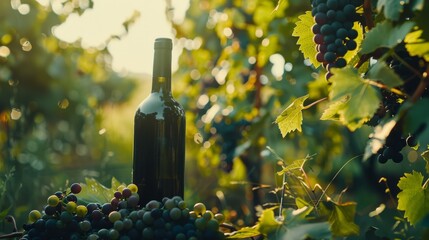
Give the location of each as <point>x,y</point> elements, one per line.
<point>219,217</point>
<point>329,57</point>
<point>66,217</point>
<point>117,195</point>
<point>340,62</point>
<point>91,207</point>
<point>340,17</point>
<point>175,213</point>
<point>118,225</point>
<point>181,204</point>
<point>201,224</point>
<point>331,14</point>
<point>332,4</point>
<point>75,188</point>
<point>341,51</point>
<point>103,233</point>
<point>133,201</point>
<point>34,215</point>
<point>342,33</point>
<point>96,215</point>
<point>115,202</point>
<point>113,234</point>
<point>169,204</point>
<point>49,210</point>
<point>53,200</point>
<point>147,218</point>
<point>213,225</point>
<point>397,157</point>
<point>332,47</point>
<point>326,29</point>
<point>106,208</point>
<point>93,236</point>
<point>133,187</point>
<point>114,216</point>
<point>59,194</point>
<point>351,45</point>
<point>71,198</point>
<point>412,141</point>
<point>329,38</point>
<point>320,18</point>
<point>381,159</point>
<point>85,225</point>
<point>153,204</point>
<point>81,211</point>
<point>323,48</point>
<point>336,25</point>
<point>315,29</point>
<point>128,223</point>
<point>199,208</point>
<point>208,215</point>
<point>71,207</point>
<point>148,233</point>
<point>348,25</point>
<point>126,193</point>
<point>353,34</point>
<point>318,39</point>
<point>349,9</point>
<point>322,8</point>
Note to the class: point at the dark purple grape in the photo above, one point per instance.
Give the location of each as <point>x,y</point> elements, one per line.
<point>336,25</point>
<point>319,57</point>
<point>318,38</point>
<point>322,8</point>
<point>75,188</point>
<point>381,159</point>
<point>397,157</point>
<point>315,29</point>
<point>349,9</point>
<point>49,210</point>
<point>331,14</point>
<point>341,51</point>
<point>329,38</point>
<point>117,195</point>
<point>328,75</point>
<point>348,25</point>
<point>126,193</point>
<point>107,208</point>
<point>320,18</point>
<point>71,198</point>
<point>332,47</point>
<point>323,48</point>
<point>326,29</point>
<point>332,4</point>
<point>340,16</point>
<point>412,141</point>
<point>339,42</point>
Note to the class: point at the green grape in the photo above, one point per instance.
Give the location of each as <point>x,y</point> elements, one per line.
<point>199,208</point>
<point>103,233</point>
<point>113,234</point>
<point>169,204</point>
<point>181,204</point>
<point>128,224</point>
<point>201,223</point>
<point>53,200</point>
<point>213,225</point>
<point>66,217</point>
<point>34,215</point>
<point>147,218</point>
<point>175,214</point>
<point>85,225</point>
<point>81,211</point>
<point>133,187</point>
<point>118,225</point>
<point>133,216</point>
<point>153,204</point>
<point>219,217</point>
<point>208,215</point>
<point>114,216</point>
<point>93,237</point>
<point>71,207</point>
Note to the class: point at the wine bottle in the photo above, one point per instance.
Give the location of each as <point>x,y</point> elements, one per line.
<point>159,134</point>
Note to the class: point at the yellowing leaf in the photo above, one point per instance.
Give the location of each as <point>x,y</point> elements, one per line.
<point>291,118</point>
<point>267,222</point>
<point>93,191</point>
<point>363,99</point>
<point>331,113</point>
<point>414,198</point>
<point>425,156</point>
<point>295,165</point>
<point>302,30</point>
<point>386,35</point>
<point>244,233</point>
<point>417,46</point>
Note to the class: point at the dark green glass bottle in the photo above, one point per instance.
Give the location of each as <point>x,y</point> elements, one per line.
<point>159,134</point>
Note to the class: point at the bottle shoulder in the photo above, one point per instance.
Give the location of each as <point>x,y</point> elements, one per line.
<point>160,104</point>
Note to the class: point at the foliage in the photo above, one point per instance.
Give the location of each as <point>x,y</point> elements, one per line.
<point>51,97</point>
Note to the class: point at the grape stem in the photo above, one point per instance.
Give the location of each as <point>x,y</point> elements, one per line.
<point>314,103</point>
<point>393,90</point>
<point>14,234</point>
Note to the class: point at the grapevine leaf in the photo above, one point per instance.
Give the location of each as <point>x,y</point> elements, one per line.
<point>291,118</point>
<point>378,138</point>
<point>305,36</point>
<point>425,156</point>
<point>416,45</point>
<point>93,191</point>
<point>295,165</point>
<point>244,233</point>
<point>414,198</point>
<point>392,9</point>
<point>386,35</point>
<point>331,113</point>
<point>364,99</point>
<point>341,217</point>
<point>267,223</point>
<point>381,72</point>
<point>318,230</point>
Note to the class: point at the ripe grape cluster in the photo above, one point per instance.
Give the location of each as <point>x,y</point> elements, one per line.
<point>121,218</point>
<point>333,31</point>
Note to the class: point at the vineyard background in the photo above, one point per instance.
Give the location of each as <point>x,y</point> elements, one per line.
<point>65,115</point>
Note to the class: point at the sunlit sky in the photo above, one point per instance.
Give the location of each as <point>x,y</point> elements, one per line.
<point>133,52</point>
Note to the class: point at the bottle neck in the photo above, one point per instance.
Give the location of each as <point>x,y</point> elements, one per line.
<point>161,79</point>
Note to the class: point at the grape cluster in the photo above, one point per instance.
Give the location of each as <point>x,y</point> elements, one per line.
<point>121,218</point>
<point>333,31</point>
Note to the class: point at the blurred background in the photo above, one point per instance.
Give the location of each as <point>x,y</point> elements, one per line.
<point>72,73</point>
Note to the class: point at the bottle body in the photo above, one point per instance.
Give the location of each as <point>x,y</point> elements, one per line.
<point>159,151</point>
<point>159,135</point>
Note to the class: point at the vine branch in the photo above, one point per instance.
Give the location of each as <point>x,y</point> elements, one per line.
<point>424,83</point>
<point>314,103</point>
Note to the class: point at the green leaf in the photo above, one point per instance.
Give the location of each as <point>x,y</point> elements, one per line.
<point>295,165</point>
<point>331,113</point>
<point>267,223</point>
<point>302,30</point>
<point>244,233</point>
<point>385,35</point>
<point>392,8</point>
<point>93,191</point>
<point>414,198</point>
<point>381,72</point>
<point>341,217</point>
<point>291,118</point>
<point>363,99</point>
<point>416,45</point>
<point>318,230</point>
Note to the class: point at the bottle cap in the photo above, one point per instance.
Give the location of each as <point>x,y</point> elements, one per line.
<point>164,43</point>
